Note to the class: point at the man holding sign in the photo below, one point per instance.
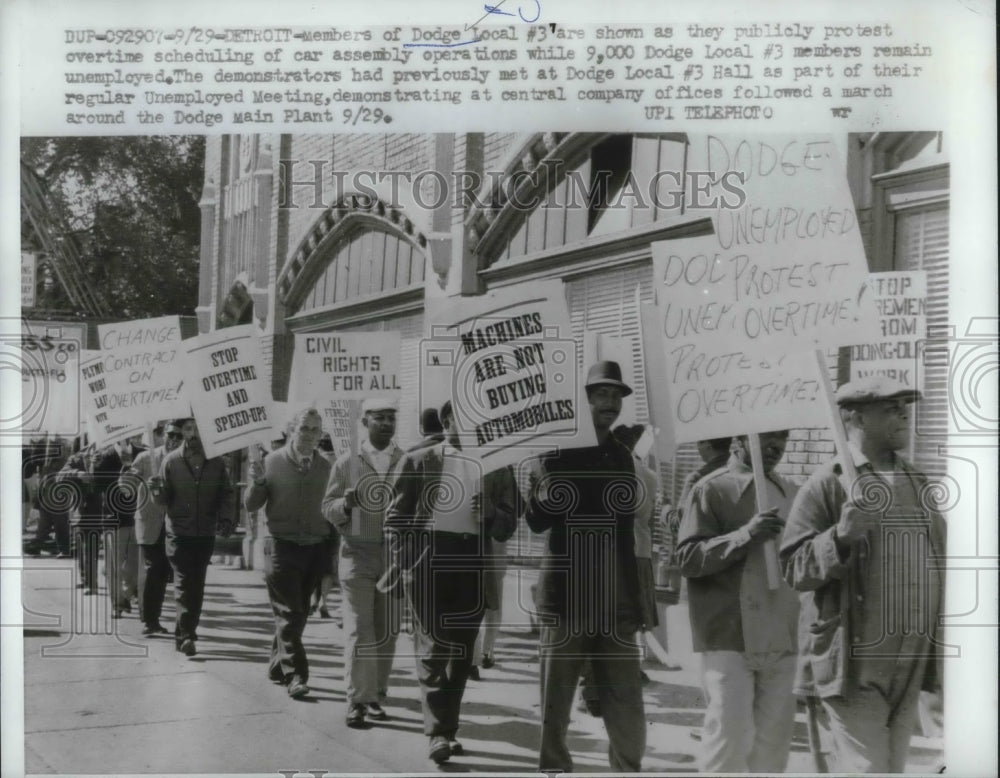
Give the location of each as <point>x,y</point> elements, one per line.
<point>872,595</point>
<point>357,496</point>
<point>744,630</point>
<point>588,596</point>
<point>199,500</point>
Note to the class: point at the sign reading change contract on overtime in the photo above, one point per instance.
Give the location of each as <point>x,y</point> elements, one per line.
<point>784,274</point>
<point>140,361</point>
<point>507,361</point>
<point>229,395</point>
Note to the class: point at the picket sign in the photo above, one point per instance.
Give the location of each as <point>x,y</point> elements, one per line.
<point>760,490</point>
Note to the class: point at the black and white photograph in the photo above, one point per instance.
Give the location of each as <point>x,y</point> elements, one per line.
<point>374,413</point>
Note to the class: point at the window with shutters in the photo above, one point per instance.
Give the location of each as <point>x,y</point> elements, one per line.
<point>913,233</point>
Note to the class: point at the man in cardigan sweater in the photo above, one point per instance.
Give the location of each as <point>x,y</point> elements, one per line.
<point>355,502</point>
<point>290,485</point>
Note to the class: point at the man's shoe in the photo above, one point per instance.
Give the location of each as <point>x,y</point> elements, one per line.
<point>297,688</point>
<point>474,674</point>
<point>487,662</point>
<point>356,715</point>
<point>376,712</point>
<point>324,613</point>
<point>160,629</point>
<point>440,751</point>
<point>187,647</point>
<point>150,629</point>
<point>457,749</point>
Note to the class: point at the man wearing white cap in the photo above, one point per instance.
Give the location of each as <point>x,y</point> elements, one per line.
<point>871,591</point>
<point>357,496</point>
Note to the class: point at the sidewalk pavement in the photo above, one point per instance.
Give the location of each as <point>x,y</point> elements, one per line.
<point>100,698</point>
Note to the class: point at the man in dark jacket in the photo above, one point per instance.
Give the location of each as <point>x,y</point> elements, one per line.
<point>588,596</point>
<point>199,500</point>
<point>107,512</point>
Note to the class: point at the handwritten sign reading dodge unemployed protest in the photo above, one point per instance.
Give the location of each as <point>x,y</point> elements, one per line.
<point>141,365</point>
<point>742,310</point>
<point>335,371</point>
<point>229,394</point>
<point>507,361</point>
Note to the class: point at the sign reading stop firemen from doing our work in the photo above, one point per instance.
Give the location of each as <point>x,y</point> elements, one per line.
<point>230,396</point>
<point>335,371</point>
<point>894,349</point>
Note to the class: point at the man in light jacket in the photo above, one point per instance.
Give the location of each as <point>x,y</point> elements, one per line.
<point>867,558</point>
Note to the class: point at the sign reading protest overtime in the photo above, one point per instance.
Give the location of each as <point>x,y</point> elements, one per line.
<point>894,349</point>
<point>141,366</point>
<point>335,371</point>
<point>742,310</point>
<point>229,395</point>
<point>507,360</point>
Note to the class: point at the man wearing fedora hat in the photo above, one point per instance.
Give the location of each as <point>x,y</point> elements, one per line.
<point>588,594</point>
<point>862,556</point>
<point>362,481</point>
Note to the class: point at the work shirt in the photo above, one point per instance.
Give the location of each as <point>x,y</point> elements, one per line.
<point>731,606</point>
<point>460,479</point>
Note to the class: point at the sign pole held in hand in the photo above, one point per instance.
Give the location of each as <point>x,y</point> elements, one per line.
<point>850,472</point>
<point>760,489</point>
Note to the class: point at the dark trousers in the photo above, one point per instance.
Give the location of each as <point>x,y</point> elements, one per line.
<point>189,557</point>
<point>86,548</point>
<point>291,572</point>
<point>448,598</point>
<point>153,574</point>
<point>56,522</point>
<point>614,661</point>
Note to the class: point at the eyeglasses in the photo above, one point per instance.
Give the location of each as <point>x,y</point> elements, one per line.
<point>175,435</point>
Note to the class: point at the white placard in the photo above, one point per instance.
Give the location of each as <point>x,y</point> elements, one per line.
<point>230,396</point>
<point>507,360</point>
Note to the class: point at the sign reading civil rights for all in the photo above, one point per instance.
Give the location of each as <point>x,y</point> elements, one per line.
<point>229,394</point>
<point>141,366</point>
<point>894,349</point>
<point>335,371</point>
<point>784,273</point>
<point>507,360</point>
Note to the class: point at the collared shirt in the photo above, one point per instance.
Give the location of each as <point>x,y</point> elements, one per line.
<point>460,479</point>
<point>303,462</point>
<point>731,606</point>
<point>380,459</point>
